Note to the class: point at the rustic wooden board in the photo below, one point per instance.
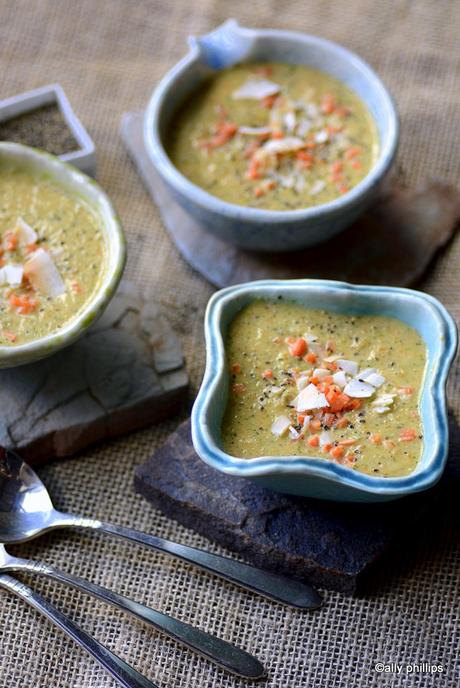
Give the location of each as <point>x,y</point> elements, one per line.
<point>392,244</point>
<point>126,373</point>
<point>330,544</point>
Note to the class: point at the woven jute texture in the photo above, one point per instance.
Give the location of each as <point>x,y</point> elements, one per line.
<point>108,55</point>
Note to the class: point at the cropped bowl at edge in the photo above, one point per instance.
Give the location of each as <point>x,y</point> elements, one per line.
<point>309,476</point>
<point>253,228</point>
<point>82,186</point>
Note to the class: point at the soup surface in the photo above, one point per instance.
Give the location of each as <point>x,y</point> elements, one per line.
<point>343,388</point>
<point>274,136</point>
<point>52,255</point>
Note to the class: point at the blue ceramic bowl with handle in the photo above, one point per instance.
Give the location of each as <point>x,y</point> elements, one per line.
<point>306,475</point>
<point>253,228</point>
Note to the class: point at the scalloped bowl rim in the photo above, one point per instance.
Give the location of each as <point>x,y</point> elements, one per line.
<point>209,451</point>
<point>78,183</point>
<point>199,196</point>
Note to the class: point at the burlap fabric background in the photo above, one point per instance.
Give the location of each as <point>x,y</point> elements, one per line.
<point>108,55</point>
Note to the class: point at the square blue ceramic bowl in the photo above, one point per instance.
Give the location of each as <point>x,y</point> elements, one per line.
<point>254,228</point>
<point>306,475</point>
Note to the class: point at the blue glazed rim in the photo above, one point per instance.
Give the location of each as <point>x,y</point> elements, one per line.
<point>433,390</point>
<point>205,50</point>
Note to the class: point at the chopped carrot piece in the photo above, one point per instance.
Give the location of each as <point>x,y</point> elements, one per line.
<point>268,102</point>
<point>337,452</point>
<point>328,104</point>
<point>253,169</point>
<point>328,379</point>
<point>352,152</point>
<point>225,130</point>
<point>343,189</point>
<point>329,418</point>
<point>347,443</point>
<point>313,441</point>
<point>277,134</point>
<point>407,435</point>
<point>76,287</point>
<point>331,365</point>
<point>313,380</point>
<point>406,391</point>
<point>389,444</point>
<point>298,348</point>
<point>376,438</point>
<point>11,241</point>
<point>235,368</point>
<point>264,70</point>
<point>341,423</point>
<point>356,164</point>
<point>259,191</point>
<point>301,417</point>
<point>315,425</point>
<point>23,304</point>
<point>267,374</point>
<point>238,388</point>
<point>10,335</point>
<point>30,248</point>
<point>336,167</point>
<point>311,357</point>
<point>355,404</point>
<point>327,448</point>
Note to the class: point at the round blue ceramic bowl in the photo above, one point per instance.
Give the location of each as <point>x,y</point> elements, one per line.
<point>253,228</point>
<point>306,475</point>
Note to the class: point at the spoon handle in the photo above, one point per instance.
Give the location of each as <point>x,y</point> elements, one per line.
<point>120,670</point>
<point>275,587</point>
<point>224,654</point>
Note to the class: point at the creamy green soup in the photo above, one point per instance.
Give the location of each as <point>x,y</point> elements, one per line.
<point>52,255</point>
<point>342,388</point>
<point>274,136</point>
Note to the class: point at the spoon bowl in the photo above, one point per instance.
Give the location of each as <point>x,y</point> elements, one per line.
<point>26,509</point>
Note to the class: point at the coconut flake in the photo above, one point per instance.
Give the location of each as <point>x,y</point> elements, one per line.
<point>304,127</point>
<point>254,131</point>
<point>26,235</point>
<point>375,379</point>
<point>310,398</point>
<point>275,391</point>
<point>43,274</point>
<point>340,379</point>
<point>357,389</point>
<point>290,121</point>
<point>325,438</point>
<point>321,373</point>
<point>256,89</point>
<point>11,274</point>
<point>302,382</point>
<point>321,136</point>
<point>384,400</point>
<point>317,187</point>
<point>289,144</point>
<point>312,110</point>
<point>293,434</point>
<point>364,374</point>
<point>349,367</point>
<point>381,409</point>
<point>280,425</point>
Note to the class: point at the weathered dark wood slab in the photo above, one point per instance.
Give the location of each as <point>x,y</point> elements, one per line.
<point>126,373</point>
<point>392,244</point>
<point>329,544</point>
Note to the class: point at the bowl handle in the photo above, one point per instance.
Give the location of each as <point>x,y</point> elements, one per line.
<point>224,46</point>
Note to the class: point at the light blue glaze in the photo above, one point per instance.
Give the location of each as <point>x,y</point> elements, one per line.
<point>252,228</point>
<point>81,186</point>
<point>308,476</point>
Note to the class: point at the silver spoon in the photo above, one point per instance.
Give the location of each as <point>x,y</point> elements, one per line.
<point>222,653</point>
<point>26,511</point>
<point>120,670</point>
